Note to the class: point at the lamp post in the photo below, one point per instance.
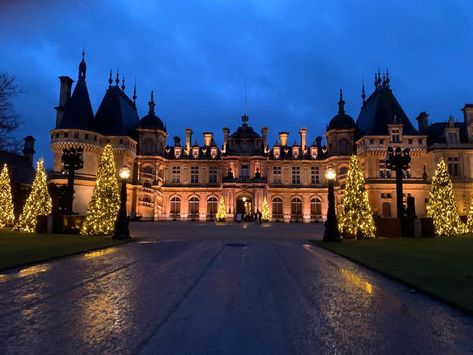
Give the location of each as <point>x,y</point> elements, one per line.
<point>398,160</point>
<point>331,233</point>
<point>121,224</point>
<point>73,160</point>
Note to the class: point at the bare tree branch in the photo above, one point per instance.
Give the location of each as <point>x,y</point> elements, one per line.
<point>8,117</point>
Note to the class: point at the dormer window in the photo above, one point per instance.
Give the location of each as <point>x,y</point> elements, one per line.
<point>177,152</point>
<point>195,152</point>
<point>276,152</point>
<point>395,135</point>
<point>295,152</point>
<point>313,152</point>
<point>213,152</point>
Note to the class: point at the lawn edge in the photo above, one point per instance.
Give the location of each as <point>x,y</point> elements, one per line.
<point>453,304</point>
<point>32,263</point>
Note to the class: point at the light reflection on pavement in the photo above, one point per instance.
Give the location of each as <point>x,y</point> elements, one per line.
<point>250,290</point>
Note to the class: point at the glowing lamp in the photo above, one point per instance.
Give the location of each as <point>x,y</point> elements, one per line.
<point>124,173</point>
<point>244,199</point>
<point>330,174</point>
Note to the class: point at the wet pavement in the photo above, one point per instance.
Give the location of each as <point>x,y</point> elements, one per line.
<point>191,288</point>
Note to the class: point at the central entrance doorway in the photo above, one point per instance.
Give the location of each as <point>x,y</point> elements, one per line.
<point>243,206</point>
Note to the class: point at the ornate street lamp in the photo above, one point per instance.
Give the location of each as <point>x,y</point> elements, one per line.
<point>331,233</point>
<point>121,225</point>
<point>72,160</point>
<point>398,160</point>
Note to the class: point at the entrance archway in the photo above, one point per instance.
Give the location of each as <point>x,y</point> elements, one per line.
<point>244,207</point>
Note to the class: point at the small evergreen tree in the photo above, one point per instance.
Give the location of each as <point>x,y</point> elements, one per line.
<point>442,206</point>
<point>105,203</point>
<point>222,211</point>
<point>265,215</point>
<point>355,218</point>
<point>469,222</point>
<point>7,217</point>
<point>39,202</point>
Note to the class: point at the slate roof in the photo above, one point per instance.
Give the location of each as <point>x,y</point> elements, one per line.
<point>151,121</point>
<point>117,114</point>
<point>436,132</point>
<point>341,121</point>
<point>78,113</point>
<point>379,110</point>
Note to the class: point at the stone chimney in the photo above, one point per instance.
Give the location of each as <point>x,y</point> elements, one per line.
<point>208,137</point>
<point>226,132</point>
<point>64,96</point>
<point>422,121</point>
<point>264,135</point>
<point>283,138</point>
<point>303,133</point>
<point>28,150</point>
<point>188,138</point>
<point>468,119</point>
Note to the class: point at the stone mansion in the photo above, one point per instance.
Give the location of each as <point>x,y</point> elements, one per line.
<point>184,180</point>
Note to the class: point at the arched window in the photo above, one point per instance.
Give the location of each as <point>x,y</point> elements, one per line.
<point>296,207</point>
<point>343,146</point>
<point>212,205</point>
<point>315,208</point>
<point>175,205</point>
<point>194,206</point>
<point>277,207</point>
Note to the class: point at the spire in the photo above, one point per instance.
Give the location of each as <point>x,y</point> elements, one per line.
<point>134,93</point>
<point>245,95</point>
<point>363,94</point>
<point>341,103</point>
<point>117,80</point>
<point>82,67</point>
<point>375,81</point>
<point>244,119</point>
<point>151,104</point>
<point>110,80</point>
<point>387,79</point>
<point>123,83</point>
<point>384,81</point>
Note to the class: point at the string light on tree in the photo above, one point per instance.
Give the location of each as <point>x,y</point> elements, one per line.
<point>222,211</point>
<point>442,206</point>
<point>103,207</point>
<point>39,202</point>
<point>355,219</point>
<point>469,222</point>
<point>7,216</point>
<point>265,215</point>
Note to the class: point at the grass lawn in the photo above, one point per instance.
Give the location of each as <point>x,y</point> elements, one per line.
<point>442,267</point>
<point>25,248</point>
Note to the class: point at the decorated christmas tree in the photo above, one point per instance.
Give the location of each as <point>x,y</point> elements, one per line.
<point>39,202</point>
<point>222,211</point>
<point>265,216</point>
<point>355,219</point>
<point>442,206</point>
<point>105,203</point>
<point>469,222</point>
<point>7,216</point>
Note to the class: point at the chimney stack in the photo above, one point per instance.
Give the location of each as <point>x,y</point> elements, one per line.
<point>264,135</point>
<point>468,118</point>
<point>303,133</point>
<point>226,132</point>
<point>283,138</point>
<point>208,137</point>
<point>28,150</point>
<point>422,121</point>
<point>188,139</point>
<point>64,96</point>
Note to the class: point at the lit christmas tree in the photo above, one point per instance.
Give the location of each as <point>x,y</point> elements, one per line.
<point>355,219</point>
<point>7,216</point>
<point>265,216</point>
<point>105,203</point>
<point>442,206</point>
<point>222,211</point>
<point>469,222</point>
<point>39,202</point>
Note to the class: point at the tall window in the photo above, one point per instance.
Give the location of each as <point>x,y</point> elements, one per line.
<point>276,175</point>
<point>176,174</point>
<point>395,135</point>
<point>244,171</point>
<point>277,207</point>
<point>194,206</point>
<point>175,205</point>
<point>212,204</point>
<point>384,172</point>
<point>315,175</point>
<point>296,175</point>
<point>296,206</point>
<point>343,146</point>
<point>453,166</point>
<point>213,175</point>
<point>315,208</point>
<point>194,174</point>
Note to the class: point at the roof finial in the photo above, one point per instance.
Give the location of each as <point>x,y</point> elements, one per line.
<point>151,104</point>
<point>83,53</point>
<point>341,103</point>
<point>82,67</point>
<point>375,80</point>
<point>384,80</point>
<point>363,94</point>
<point>123,83</point>
<point>117,80</point>
<point>110,80</point>
<point>387,79</point>
<point>134,93</point>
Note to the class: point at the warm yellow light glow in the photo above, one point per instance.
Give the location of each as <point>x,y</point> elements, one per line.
<point>357,281</point>
<point>124,173</point>
<point>244,199</point>
<point>96,253</point>
<point>330,174</point>
<point>32,270</point>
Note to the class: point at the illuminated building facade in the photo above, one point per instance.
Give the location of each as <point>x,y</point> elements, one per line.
<point>185,180</point>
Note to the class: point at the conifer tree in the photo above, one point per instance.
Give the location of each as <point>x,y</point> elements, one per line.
<point>442,206</point>
<point>39,202</point>
<point>103,207</point>
<point>469,222</point>
<point>355,219</point>
<point>265,215</point>
<point>222,211</point>
<point>7,217</point>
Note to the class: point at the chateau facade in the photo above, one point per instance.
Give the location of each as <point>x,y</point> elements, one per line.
<point>185,180</point>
